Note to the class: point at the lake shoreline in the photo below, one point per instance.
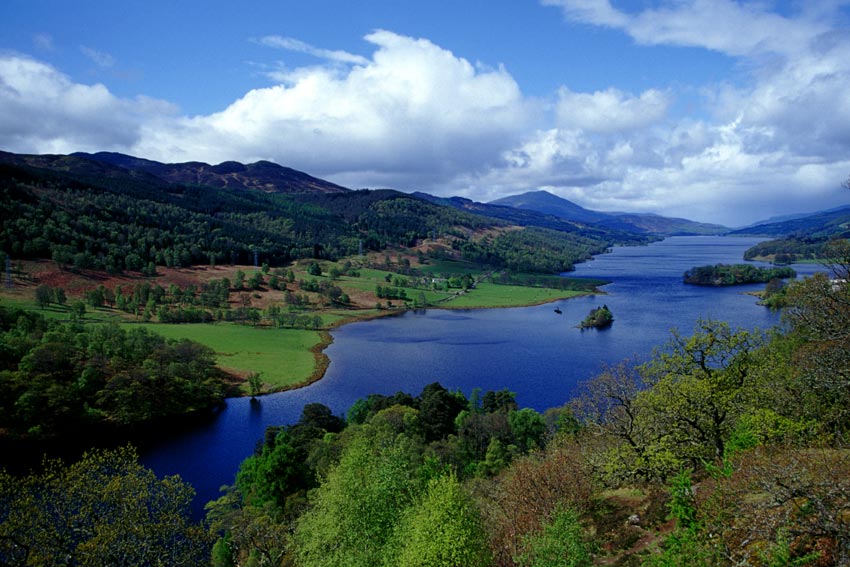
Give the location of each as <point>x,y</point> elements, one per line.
<point>326,339</point>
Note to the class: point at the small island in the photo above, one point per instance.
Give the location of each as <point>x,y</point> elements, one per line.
<point>598,318</point>
<point>735,274</point>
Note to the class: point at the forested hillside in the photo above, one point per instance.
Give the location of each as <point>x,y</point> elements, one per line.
<point>799,239</point>
<point>95,215</point>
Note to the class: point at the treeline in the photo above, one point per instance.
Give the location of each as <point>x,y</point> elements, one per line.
<point>735,274</point>
<point>206,302</point>
<point>532,250</point>
<point>544,281</point>
<point>789,250</point>
<point>64,376</point>
<point>100,226</point>
<point>116,224</point>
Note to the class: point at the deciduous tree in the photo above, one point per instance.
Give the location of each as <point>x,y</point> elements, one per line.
<point>104,510</point>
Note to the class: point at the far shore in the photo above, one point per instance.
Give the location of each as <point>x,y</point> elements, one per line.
<point>322,361</point>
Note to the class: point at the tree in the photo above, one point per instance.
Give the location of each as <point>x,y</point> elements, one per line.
<point>78,309</point>
<point>59,296</point>
<point>608,406</point>
<point>106,509</point>
<point>273,475</point>
<point>528,428</point>
<point>255,281</point>
<point>444,529</point>
<point>43,295</point>
<point>530,491</point>
<point>819,315</point>
<point>255,383</point>
<point>314,269</point>
<point>438,409</point>
<point>357,506</point>
<point>561,543</point>
<point>698,388</point>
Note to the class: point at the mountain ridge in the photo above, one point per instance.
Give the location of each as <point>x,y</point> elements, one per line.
<point>261,175</point>
<point>649,223</point>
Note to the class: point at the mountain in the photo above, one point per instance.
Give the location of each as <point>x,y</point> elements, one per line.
<point>530,217</point>
<point>115,213</point>
<point>822,224</point>
<point>262,175</point>
<point>547,203</point>
<point>666,226</point>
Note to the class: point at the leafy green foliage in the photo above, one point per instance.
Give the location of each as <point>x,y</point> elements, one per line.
<point>442,529</point>
<point>59,376</point>
<point>533,250</point>
<point>358,504</point>
<point>736,274</point>
<point>562,543</point>
<point>104,510</point>
<point>788,250</point>
<point>598,318</point>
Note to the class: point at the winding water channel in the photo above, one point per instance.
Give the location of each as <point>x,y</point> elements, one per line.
<point>533,351</point>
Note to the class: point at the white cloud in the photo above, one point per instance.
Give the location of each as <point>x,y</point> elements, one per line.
<point>99,58</point>
<point>610,110</point>
<point>291,44</point>
<point>415,112</point>
<point>598,12</point>
<point>727,26</point>
<point>43,111</point>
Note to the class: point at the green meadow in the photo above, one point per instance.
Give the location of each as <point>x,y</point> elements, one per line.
<point>488,294</point>
<point>283,357</point>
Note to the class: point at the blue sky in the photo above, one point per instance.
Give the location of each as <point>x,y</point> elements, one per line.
<point>715,110</point>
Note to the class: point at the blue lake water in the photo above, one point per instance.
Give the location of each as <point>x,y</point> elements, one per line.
<point>532,351</point>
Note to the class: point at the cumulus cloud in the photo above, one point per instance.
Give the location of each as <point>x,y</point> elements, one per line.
<point>43,111</point>
<point>415,111</point>
<point>610,110</point>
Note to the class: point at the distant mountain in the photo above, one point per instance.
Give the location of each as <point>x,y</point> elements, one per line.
<point>667,226</point>
<point>822,224</point>
<point>530,217</point>
<point>547,203</point>
<point>262,175</point>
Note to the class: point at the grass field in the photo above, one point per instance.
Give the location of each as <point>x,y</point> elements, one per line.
<point>283,357</point>
<point>492,295</point>
<point>287,358</point>
<point>25,300</point>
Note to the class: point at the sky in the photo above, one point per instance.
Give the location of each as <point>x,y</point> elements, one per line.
<point>714,110</point>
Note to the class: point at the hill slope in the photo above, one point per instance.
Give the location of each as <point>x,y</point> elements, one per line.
<point>822,224</point>
<point>96,214</point>
<point>547,203</point>
<point>262,175</point>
